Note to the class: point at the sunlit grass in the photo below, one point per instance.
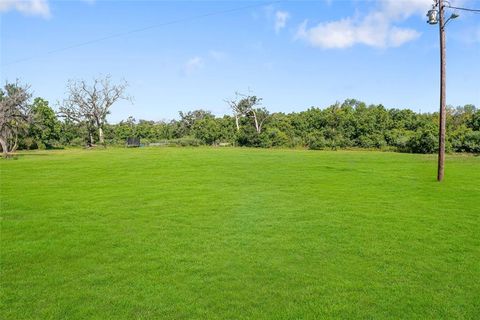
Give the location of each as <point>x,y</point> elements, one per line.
<point>238,233</point>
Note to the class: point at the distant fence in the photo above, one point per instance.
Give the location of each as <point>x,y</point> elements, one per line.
<point>135,143</point>
<point>158,144</point>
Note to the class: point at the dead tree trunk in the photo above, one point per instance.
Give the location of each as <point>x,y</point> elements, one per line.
<point>15,144</point>
<point>237,122</point>
<point>101,139</point>
<point>257,127</point>
<point>3,144</point>
<point>90,138</point>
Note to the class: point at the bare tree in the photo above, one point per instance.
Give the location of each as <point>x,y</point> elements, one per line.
<point>246,106</point>
<point>237,108</point>
<point>14,114</point>
<point>91,103</point>
<point>260,115</point>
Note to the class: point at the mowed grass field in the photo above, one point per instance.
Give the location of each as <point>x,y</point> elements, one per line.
<point>180,233</point>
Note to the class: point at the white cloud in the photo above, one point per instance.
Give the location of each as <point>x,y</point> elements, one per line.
<point>403,9</point>
<point>193,65</point>
<point>217,55</point>
<point>376,29</point>
<point>30,7</point>
<point>281,18</point>
<point>27,7</point>
<point>336,34</point>
<point>399,36</point>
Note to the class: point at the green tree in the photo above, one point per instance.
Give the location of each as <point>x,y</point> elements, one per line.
<point>425,141</point>
<point>14,115</point>
<point>207,130</point>
<point>474,123</point>
<point>188,120</point>
<point>45,128</point>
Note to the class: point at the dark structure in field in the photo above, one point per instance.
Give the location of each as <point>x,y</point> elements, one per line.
<point>133,142</point>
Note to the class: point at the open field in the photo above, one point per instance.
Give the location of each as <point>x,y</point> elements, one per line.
<point>238,233</point>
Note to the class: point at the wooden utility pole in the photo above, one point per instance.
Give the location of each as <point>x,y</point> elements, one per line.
<point>441,138</point>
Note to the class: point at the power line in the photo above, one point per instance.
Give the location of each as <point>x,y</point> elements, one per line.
<point>464,9</point>
<point>121,34</point>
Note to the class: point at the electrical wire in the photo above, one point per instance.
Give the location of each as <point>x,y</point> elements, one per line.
<point>121,34</point>
<point>464,9</point>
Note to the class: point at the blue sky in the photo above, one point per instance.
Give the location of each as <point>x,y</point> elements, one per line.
<point>294,54</point>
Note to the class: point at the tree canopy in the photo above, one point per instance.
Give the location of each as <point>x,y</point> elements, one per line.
<point>14,114</point>
<point>351,124</point>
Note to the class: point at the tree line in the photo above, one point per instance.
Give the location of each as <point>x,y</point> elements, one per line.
<point>81,121</point>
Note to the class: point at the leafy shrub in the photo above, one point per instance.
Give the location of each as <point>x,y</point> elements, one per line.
<point>472,142</point>
<point>339,141</point>
<point>398,138</point>
<point>424,141</point>
<point>274,137</point>
<point>77,142</point>
<point>27,143</point>
<point>296,142</point>
<point>464,139</point>
<point>316,141</point>
<point>375,140</point>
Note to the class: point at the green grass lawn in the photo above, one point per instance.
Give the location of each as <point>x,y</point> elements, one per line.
<point>180,233</point>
